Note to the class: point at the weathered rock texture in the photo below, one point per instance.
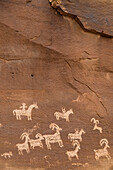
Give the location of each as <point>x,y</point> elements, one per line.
<point>57,57</point>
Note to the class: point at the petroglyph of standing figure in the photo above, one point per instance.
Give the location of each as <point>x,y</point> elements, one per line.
<point>96,127</point>
<point>102,152</point>
<point>64,115</point>
<point>74,153</point>
<point>36,142</point>
<point>23,146</point>
<point>76,135</point>
<point>7,155</point>
<point>24,112</point>
<point>55,138</point>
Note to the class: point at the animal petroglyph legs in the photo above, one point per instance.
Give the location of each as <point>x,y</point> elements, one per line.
<point>102,152</point>
<point>64,114</point>
<point>7,155</point>
<point>96,127</point>
<point>74,153</point>
<point>55,138</point>
<point>36,142</point>
<point>23,146</point>
<point>76,135</point>
<point>24,112</point>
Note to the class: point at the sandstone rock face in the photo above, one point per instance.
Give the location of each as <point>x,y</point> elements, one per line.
<point>56,74</point>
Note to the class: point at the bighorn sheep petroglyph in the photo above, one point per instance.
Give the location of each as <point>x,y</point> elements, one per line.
<point>96,127</point>
<point>55,138</point>
<point>102,152</point>
<point>74,153</point>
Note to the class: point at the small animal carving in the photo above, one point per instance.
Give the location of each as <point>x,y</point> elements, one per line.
<point>74,153</point>
<point>23,112</point>
<point>55,138</point>
<point>7,155</point>
<point>36,142</point>
<point>64,115</point>
<point>96,127</point>
<point>102,152</point>
<point>23,146</point>
<point>76,135</point>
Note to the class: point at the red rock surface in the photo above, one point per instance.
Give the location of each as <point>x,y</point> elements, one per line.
<point>48,58</point>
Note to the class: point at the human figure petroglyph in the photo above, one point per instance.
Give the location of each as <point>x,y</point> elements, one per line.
<point>24,112</point>
<point>23,107</point>
<point>23,146</point>
<point>64,115</point>
<point>96,123</point>
<point>74,153</point>
<point>102,152</point>
<point>36,142</point>
<point>7,155</point>
<point>76,135</point>
<point>55,138</point>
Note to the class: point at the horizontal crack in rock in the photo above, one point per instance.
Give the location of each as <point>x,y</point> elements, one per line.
<point>62,11</point>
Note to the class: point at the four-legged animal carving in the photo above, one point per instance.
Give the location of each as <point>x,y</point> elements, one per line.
<point>23,146</point>
<point>96,127</point>
<point>74,153</point>
<point>55,138</point>
<point>102,152</point>
<point>7,155</point>
<point>65,114</point>
<point>36,142</point>
<point>23,112</point>
<point>76,135</point>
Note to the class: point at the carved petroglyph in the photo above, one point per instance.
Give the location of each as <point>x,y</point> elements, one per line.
<point>36,142</point>
<point>96,127</point>
<point>81,164</point>
<point>55,138</point>
<point>7,155</point>
<point>74,153</point>
<point>76,135</point>
<point>23,146</point>
<point>30,131</point>
<point>64,115</point>
<point>102,152</point>
<point>24,112</point>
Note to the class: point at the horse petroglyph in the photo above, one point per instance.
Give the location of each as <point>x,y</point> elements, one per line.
<point>76,135</point>
<point>23,112</point>
<point>55,138</point>
<point>36,142</point>
<point>96,127</point>
<point>23,146</point>
<point>7,155</point>
<point>64,115</point>
<point>74,153</point>
<point>102,152</point>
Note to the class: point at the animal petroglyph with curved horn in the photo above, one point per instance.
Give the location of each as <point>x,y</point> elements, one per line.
<point>24,112</point>
<point>23,146</point>
<point>96,127</point>
<point>102,152</point>
<point>64,115</point>
<point>74,153</point>
<point>55,138</point>
<point>76,135</point>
